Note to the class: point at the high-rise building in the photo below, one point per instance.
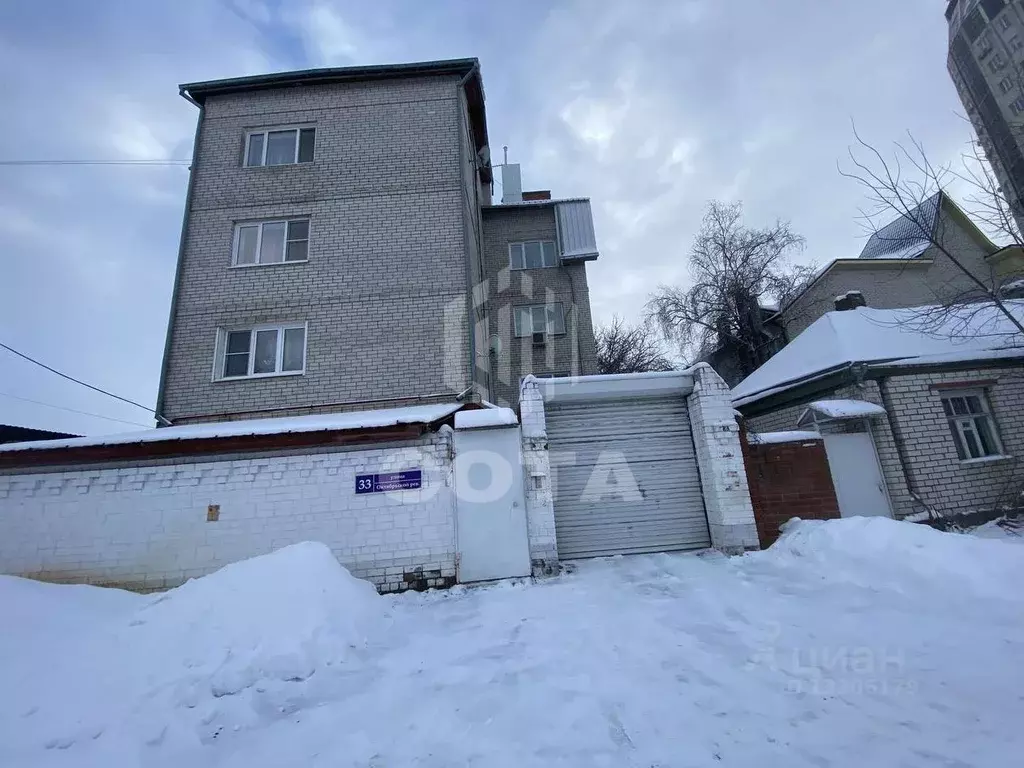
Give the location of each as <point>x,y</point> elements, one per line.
<point>986,62</point>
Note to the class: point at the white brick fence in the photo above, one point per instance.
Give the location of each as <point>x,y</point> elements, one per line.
<point>142,521</point>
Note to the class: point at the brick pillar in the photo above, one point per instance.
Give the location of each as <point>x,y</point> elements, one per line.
<point>720,460</point>
<point>540,508</point>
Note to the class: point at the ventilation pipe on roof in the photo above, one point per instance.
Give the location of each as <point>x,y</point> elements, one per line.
<point>850,300</point>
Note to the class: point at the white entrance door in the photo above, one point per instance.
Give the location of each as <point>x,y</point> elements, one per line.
<point>860,488</point>
<point>491,511</point>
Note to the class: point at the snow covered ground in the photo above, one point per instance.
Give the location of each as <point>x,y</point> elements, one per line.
<point>851,642</point>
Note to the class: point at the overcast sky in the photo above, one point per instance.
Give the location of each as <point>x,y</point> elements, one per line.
<point>650,109</point>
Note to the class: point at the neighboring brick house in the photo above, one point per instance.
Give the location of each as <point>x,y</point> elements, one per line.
<point>331,253</point>
<point>528,274</point>
<point>900,266</point>
<point>940,407</point>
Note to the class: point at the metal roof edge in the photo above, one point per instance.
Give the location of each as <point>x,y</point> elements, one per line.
<point>198,91</point>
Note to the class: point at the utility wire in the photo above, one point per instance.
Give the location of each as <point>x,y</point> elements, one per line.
<point>84,384</point>
<point>72,410</point>
<point>95,162</point>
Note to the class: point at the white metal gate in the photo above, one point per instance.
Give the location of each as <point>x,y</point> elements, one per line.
<point>626,477</point>
<point>490,509</point>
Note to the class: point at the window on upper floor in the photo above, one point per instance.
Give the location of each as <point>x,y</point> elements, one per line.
<point>262,350</point>
<point>1017,105</point>
<point>996,63</point>
<point>271,242</point>
<point>280,146</point>
<point>971,423</point>
<point>993,7</point>
<point>538,318</point>
<point>533,254</point>
<point>1015,43</point>
<point>974,25</point>
<point>1006,85</point>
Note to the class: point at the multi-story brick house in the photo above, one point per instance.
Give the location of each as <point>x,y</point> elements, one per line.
<point>332,252</point>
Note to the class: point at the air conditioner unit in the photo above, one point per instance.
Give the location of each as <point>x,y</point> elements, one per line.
<point>539,339</point>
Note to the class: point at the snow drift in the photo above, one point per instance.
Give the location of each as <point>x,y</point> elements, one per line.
<point>271,620</point>
<point>877,551</point>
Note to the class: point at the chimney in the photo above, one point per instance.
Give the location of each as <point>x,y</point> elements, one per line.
<point>540,194</point>
<point>850,300</point>
<point>511,183</point>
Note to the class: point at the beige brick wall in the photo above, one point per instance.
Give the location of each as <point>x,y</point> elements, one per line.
<point>384,290</point>
<point>945,483</point>
<point>572,353</point>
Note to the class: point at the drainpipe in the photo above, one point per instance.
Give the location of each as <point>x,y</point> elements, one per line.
<point>901,446</point>
<point>466,234</point>
<point>181,257</point>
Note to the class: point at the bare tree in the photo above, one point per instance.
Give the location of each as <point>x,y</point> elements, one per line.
<point>735,269</point>
<point>623,348</point>
<point>902,187</point>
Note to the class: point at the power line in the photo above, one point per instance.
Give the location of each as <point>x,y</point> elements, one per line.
<point>72,410</point>
<point>84,384</point>
<point>95,162</point>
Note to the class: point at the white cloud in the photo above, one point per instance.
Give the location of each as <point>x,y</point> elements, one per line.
<point>327,37</point>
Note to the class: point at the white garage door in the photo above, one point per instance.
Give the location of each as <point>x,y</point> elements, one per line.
<point>626,478</point>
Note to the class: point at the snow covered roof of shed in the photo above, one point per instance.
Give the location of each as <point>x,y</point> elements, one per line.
<point>328,422</point>
<point>894,336</point>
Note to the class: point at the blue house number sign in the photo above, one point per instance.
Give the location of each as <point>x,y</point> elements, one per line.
<point>408,480</point>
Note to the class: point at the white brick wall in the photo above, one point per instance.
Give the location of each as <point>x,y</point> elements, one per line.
<point>145,526</point>
<point>720,458</point>
<point>540,503</point>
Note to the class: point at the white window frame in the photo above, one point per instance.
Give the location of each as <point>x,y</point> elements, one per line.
<point>1005,21</point>
<point>522,244</point>
<point>517,331</point>
<point>260,224</point>
<point>995,64</point>
<point>220,359</point>
<point>266,141</point>
<point>962,424</point>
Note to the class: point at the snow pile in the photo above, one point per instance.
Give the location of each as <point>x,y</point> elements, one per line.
<point>873,551</point>
<point>847,409</point>
<point>485,417</point>
<point>1008,529</point>
<point>770,438</point>
<point>163,662</point>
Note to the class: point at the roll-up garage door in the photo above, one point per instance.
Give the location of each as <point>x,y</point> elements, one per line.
<point>626,477</point>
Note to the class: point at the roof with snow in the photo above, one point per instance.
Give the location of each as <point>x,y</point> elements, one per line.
<point>188,438</point>
<point>908,236</point>
<point>837,410</point>
<point>902,337</point>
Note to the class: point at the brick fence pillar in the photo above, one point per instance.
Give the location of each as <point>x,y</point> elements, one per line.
<point>540,505</point>
<point>720,460</point>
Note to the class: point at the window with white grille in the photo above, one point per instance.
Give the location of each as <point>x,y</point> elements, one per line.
<point>971,423</point>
